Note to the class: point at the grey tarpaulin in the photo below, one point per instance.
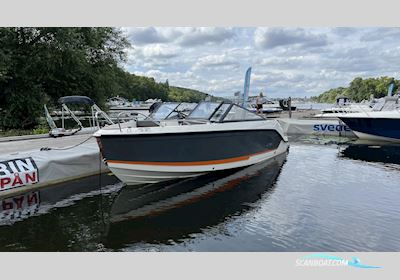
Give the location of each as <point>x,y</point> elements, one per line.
<point>26,170</point>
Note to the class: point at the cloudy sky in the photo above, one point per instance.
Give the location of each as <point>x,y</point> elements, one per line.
<point>285,61</point>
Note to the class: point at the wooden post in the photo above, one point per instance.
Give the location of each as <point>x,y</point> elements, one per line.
<point>290,106</point>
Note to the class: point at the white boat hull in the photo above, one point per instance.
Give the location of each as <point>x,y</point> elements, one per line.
<point>136,174</point>
<point>366,136</point>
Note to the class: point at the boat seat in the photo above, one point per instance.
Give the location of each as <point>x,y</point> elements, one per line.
<point>146,123</point>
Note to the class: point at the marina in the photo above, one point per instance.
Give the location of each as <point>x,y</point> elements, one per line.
<point>195,134</point>
<point>305,196</point>
<point>310,199</point>
<point>100,153</point>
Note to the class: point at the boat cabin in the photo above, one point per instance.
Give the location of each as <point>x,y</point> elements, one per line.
<point>343,100</point>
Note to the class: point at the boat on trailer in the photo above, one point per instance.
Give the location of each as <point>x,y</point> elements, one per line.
<point>214,136</point>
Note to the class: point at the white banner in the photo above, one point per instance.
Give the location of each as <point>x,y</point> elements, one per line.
<point>18,172</point>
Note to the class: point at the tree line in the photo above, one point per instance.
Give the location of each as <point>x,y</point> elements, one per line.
<point>360,89</point>
<point>40,65</point>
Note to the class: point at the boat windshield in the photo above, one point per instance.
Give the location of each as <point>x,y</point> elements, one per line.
<point>237,113</point>
<point>164,110</point>
<point>222,112</point>
<point>182,110</point>
<point>388,103</point>
<point>204,110</point>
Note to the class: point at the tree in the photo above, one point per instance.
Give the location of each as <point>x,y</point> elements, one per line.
<point>39,65</point>
<point>361,89</point>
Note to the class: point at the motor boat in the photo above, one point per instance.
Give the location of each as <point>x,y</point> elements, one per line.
<point>119,104</point>
<point>265,109</point>
<point>379,125</point>
<point>66,113</point>
<point>268,106</point>
<point>344,105</point>
<point>214,136</point>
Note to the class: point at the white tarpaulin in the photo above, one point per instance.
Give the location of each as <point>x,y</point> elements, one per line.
<point>30,169</point>
<point>316,126</point>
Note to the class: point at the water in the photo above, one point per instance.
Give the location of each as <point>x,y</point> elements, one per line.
<point>321,196</point>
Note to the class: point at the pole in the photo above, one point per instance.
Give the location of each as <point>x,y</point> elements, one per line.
<point>290,106</point>
<point>62,117</point>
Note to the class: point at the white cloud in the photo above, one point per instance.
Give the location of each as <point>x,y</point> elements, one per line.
<point>285,61</point>
<point>267,38</point>
<point>379,34</point>
<point>160,51</point>
<point>216,61</point>
<point>205,36</point>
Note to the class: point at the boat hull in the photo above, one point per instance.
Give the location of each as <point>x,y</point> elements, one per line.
<point>376,129</point>
<point>139,159</point>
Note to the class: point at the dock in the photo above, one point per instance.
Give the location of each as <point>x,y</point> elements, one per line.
<point>28,163</point>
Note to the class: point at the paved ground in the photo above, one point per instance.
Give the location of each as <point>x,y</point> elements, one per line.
<point>298,114</point>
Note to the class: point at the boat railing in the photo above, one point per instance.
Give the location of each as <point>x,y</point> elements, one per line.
<point>96,122</point>
<point>96,109</point>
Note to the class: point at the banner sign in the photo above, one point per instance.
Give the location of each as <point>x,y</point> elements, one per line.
<point>246,86</point>
<point>17,173</point>
<point>390,89</point>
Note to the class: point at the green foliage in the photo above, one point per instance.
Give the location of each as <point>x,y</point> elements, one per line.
<point>39,65</point>
<point>360,89</point>
<point>142,88</point>
<point>180,94</point>
<point>330,95</point>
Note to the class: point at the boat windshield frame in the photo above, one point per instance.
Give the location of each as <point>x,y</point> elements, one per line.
<point>190,117</point>
<point>151,116</point>
<point>224,114</point>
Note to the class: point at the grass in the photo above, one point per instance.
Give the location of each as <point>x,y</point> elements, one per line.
<point>19,132</point>
<point>39,129</point>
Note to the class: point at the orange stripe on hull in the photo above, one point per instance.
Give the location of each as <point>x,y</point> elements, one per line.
<point>190,163</point>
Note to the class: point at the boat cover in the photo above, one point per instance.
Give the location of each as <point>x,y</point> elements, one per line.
<point>33,169</point>
<point>76,99</point>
